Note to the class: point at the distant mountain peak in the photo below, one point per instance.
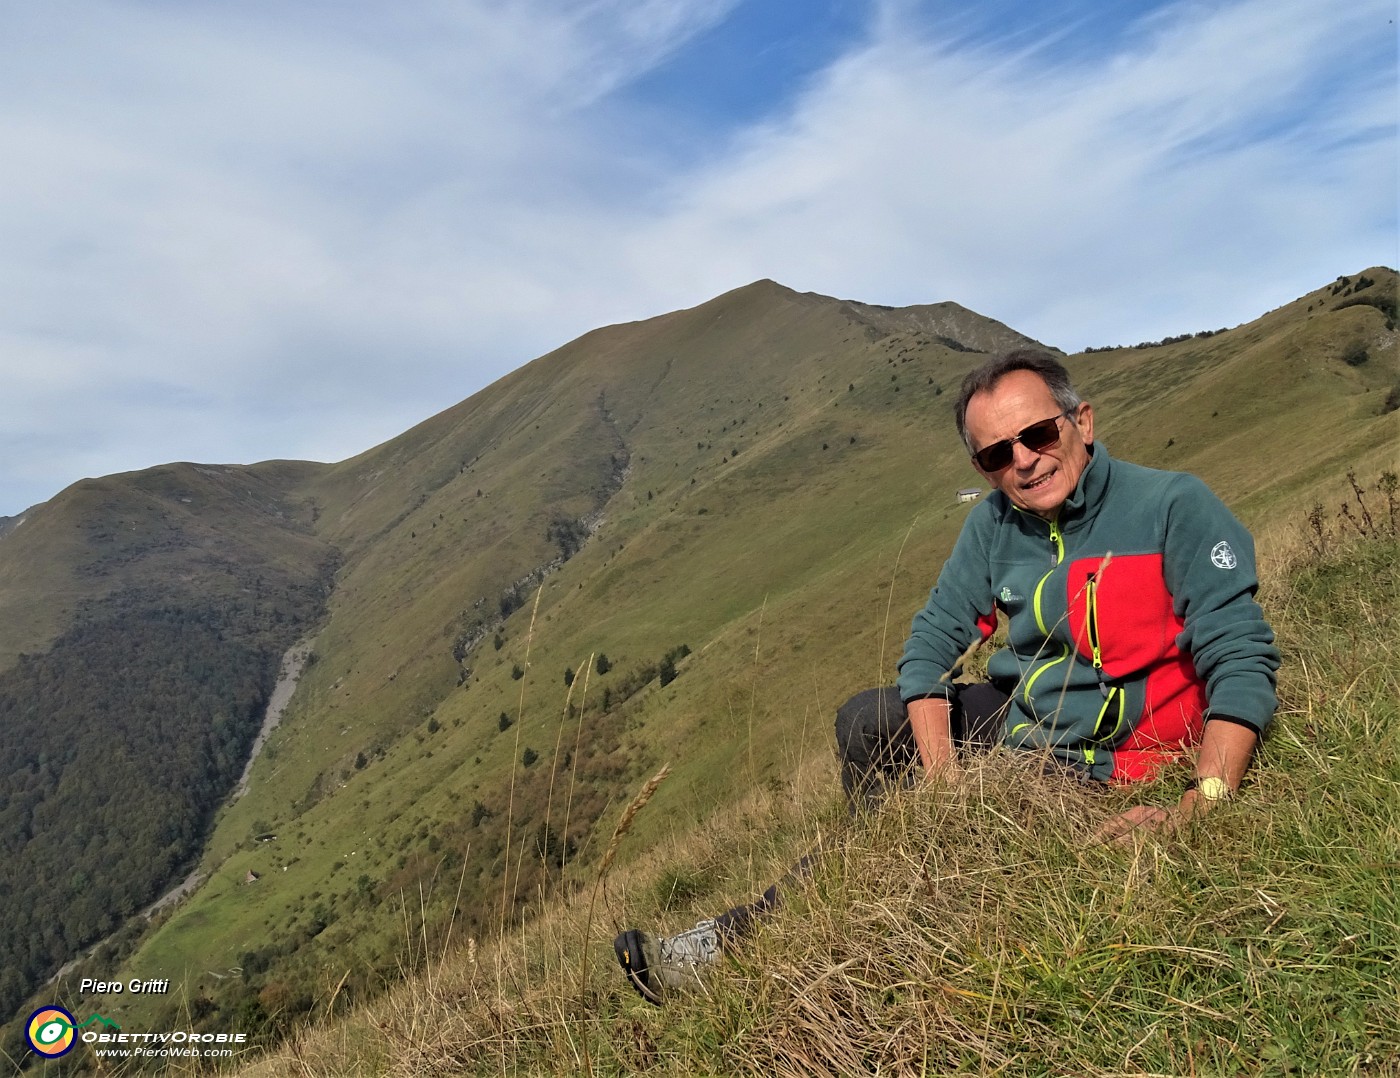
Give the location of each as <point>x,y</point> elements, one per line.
<point>945,322</point>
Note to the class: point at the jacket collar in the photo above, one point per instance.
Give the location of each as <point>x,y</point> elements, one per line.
<point>1084,502</point>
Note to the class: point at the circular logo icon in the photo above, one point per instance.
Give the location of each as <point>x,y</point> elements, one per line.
<point>50,1031</point>
<point>1222,557</point>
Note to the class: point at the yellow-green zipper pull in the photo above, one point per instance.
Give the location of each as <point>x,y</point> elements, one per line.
<point>1091,591</point>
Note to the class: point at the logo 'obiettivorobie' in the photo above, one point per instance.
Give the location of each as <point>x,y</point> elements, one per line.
<point>51,1031</point>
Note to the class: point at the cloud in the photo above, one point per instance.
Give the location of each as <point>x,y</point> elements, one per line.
<point>241,231</point>
<point>245,204</point>
<point>1216,167</point>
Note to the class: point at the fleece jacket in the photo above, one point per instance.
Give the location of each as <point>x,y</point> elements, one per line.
<point>1131,619</point>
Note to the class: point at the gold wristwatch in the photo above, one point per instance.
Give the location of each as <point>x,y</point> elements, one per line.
<point>1211,788</point>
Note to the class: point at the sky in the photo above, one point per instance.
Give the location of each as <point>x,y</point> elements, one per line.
<point>295,228</point>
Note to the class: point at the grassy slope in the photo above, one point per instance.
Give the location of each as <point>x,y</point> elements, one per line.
<point>974,930</point>
<point>781,586</point>
<point>201,525</point>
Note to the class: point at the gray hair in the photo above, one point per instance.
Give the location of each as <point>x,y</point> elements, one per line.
<point>984,377</point>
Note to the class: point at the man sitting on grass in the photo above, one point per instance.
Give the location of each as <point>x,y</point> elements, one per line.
<point>1133,637</point>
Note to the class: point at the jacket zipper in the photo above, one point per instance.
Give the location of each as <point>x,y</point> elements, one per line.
<point>1057,555</point>
<point>1091,628</point>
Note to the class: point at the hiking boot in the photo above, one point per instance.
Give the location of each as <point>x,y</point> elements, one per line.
<point>656,965</point>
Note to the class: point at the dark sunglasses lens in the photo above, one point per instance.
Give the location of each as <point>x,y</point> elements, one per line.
<point>1040,436</point>
<point>1036,437</point>
<point>995,457</point>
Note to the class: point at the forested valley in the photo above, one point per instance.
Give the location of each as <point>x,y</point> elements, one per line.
<point>116,746</point>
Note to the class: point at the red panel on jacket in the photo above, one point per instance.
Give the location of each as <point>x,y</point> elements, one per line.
<point>1137,631</point>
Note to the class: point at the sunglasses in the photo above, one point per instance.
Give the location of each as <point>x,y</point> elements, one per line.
<point>1038,437</point>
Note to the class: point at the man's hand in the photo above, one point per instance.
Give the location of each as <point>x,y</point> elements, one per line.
<point>1147,818</point>
<point>1225,752</point>
<point>1152,819</point>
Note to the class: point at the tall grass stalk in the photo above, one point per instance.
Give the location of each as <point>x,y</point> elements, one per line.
<point>549,797</point>
<point>624,824</point>
<point>881,670</point>
<point>578,747</point>
<point>753,689</point>
<point>507,890</point>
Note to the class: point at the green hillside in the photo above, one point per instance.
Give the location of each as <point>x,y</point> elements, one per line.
<point>206,525</point>
<point>739,505</point>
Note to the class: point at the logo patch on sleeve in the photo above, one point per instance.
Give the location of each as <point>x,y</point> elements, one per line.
<point>1222,557</point>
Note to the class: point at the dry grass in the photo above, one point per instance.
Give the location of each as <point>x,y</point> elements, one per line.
<point>548,998</point>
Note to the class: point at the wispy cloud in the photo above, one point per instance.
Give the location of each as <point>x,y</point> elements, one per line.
<point>240,231</point>
<point>1203,173</point>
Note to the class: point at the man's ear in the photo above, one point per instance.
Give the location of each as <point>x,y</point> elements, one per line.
<point>1085,422</point>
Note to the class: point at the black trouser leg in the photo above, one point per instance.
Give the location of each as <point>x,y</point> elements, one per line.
<point>736,923</point>
<point>978,713</point>
<point>876,744</point>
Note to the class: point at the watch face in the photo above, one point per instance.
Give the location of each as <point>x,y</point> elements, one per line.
<point>1213,789</point>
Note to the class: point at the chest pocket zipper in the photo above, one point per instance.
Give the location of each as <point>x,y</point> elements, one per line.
<point>1109,692</point>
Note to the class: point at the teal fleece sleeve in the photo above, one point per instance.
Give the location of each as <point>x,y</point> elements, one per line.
<point>1208,563</point>
<point>948,624</point>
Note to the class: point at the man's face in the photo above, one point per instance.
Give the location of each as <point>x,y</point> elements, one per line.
<point>1038,482</point>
